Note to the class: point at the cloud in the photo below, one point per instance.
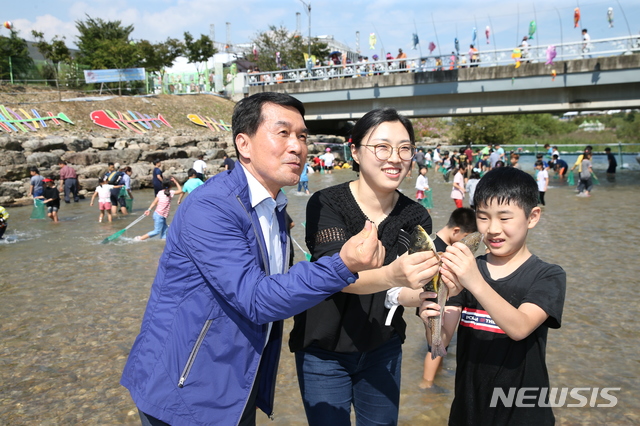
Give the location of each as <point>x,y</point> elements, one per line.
<point>50,26</point>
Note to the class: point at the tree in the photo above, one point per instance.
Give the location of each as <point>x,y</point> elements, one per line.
<point>54,53</point>
<point>106,44</point>
<point>156,57</point>
<point>15,61</point>
<point>198,51</point>
<point>486,129</point>
<point>290,45</point>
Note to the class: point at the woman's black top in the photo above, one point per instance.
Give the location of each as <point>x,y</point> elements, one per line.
<point>348,322</point>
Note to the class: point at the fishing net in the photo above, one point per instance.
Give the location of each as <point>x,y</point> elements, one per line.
<point>427,201</point>
<point>570,179</point>
<point>595,179</point>
<point>128,200</point>
<point>38,211</point>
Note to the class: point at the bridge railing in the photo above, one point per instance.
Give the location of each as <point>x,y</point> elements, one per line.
<point>488,58</point>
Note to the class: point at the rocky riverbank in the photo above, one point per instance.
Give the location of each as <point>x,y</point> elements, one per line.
<point>90,155</point>
<point>88,148</point>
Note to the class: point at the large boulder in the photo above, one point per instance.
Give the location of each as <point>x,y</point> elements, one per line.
<point>121,144</point>
<point>43,159</point>
<point>89,184</point>
<point>44,145</point>
<point>77,144</point>
<point>12,189</point>
<point>176,153</point>
<point>150,156</point>
<point>92,171</point>
<point>81,158</point>
<point>141,169</point>
<point>182,141</point>
<point>178,164</point>
<point>10,158</point>
<point>125,156</point>
<point>12,173</point>
<point>101,143</point>
<point>10,144</point>
<point>208,145</point>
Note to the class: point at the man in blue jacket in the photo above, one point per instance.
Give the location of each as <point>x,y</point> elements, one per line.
<point>210,339</point>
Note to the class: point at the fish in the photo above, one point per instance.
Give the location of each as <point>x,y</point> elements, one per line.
<point>16,123</point>
<point>139,125</point>
<point>421,241</point>
<point>472,241</point>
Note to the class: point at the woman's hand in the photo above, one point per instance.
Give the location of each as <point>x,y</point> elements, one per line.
<point>413,270</point>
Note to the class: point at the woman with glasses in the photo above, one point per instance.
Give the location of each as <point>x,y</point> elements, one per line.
<point>345,353</point>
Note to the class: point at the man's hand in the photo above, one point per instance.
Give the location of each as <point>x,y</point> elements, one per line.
<point>363,251</point>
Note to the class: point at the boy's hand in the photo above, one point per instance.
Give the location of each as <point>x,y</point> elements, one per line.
<point>459,269</point>
<point>414,270</point>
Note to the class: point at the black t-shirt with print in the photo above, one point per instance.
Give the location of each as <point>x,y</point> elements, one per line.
<point>488,359</point>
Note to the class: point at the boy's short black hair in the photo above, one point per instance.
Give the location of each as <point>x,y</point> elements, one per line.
<point>192,173</point>
<point>607,149</point>
<point>464,218</point>
<point>507,185</point>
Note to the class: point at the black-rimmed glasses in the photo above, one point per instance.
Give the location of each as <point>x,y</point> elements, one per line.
<point>384,151</point>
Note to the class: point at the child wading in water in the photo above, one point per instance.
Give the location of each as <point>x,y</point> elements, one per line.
<point>51,197</point>
<point>162,203</point>
<point>103,192</point>
<point>508,301</point>
<point>423,193</point>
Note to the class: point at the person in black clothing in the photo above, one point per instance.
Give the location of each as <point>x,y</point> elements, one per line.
<point>331,338</point>
<point>157,179</point>
<point>611,170</point>
<point>228,163</point>
<point>51,197</point>
<point>510,300</point>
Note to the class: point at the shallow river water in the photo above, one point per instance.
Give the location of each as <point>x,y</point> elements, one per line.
<point>70,308</point>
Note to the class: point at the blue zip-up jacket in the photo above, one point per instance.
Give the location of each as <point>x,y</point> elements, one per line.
<point>204,331</point>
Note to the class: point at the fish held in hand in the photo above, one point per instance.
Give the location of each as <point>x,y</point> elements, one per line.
<point>421,241</point>
<point>472,241</point>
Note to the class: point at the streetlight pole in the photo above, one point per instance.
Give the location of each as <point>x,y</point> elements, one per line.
<point>308,6</point>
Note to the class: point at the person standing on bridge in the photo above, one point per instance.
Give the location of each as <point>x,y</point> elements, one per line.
<point>586,43</point>
<point>473,56</point>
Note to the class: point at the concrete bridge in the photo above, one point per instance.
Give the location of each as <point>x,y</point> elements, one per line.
<point>611,82</point>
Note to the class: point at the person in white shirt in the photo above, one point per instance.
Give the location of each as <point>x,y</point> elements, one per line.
<point>200,167</point>
<point>586,43</point>
<point>328,159</point>
<point>542,177</point>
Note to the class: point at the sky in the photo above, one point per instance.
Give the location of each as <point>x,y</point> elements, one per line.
<point>394,22</point>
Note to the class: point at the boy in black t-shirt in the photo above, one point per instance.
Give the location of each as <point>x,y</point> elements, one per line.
<point>509,299</point>
<point>51,197</point>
